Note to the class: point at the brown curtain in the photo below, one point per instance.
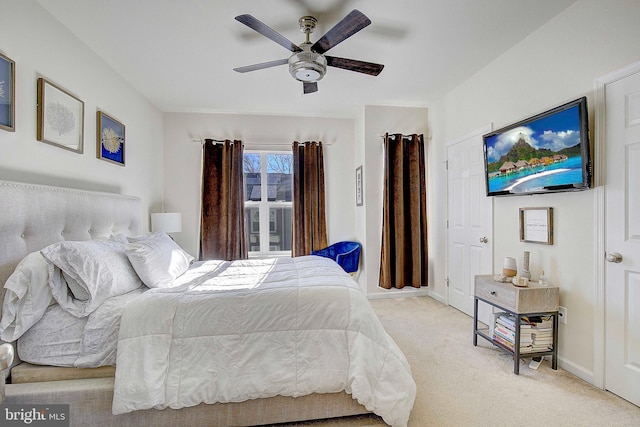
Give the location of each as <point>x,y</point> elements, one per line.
<point>309,219</point>
<point>222,221</point>
<point>404,224</point>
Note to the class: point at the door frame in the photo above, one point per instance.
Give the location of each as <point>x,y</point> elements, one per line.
<point>477,132</point>
<point>599,183</point>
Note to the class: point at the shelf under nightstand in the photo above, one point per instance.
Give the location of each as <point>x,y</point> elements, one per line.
<point>533,300</point>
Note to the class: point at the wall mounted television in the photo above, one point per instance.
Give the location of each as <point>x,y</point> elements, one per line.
<point>549,152</point>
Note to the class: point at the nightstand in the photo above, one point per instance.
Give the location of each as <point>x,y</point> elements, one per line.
<point>531,301</point>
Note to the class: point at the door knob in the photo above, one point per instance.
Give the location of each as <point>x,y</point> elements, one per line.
<point>483,240</point>
<point>614,257</point>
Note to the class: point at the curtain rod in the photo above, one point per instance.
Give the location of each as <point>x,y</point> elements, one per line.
<point>201,141</point>
<point>394,134</point>
<point>272,144</point>
<point>427,137</point>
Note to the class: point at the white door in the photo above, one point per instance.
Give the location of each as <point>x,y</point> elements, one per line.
<point>622,236</point>
<point>470,219</point>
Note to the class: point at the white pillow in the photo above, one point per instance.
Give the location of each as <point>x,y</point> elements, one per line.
<point>157,259</point>
<point>84,274</point>
<point>27,296</point>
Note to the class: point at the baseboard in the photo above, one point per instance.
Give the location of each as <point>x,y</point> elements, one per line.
<point>440,298</point>
<point>399,293</point>
<point>576,370</point>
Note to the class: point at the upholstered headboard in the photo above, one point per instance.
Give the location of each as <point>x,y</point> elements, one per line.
<point>34,216</point>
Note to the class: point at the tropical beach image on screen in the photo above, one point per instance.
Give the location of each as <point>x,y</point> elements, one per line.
<point>540,154</point>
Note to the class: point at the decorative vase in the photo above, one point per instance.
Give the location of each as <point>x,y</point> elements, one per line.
<point>509,267</point>
<point>525,266</point>
<point>543,281</point>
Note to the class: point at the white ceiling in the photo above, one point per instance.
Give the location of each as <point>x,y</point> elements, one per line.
<point>180,53</point>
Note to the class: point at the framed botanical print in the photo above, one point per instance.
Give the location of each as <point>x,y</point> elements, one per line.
<point>60,117</point>
<point>110,139</point>
<point>7,93</point>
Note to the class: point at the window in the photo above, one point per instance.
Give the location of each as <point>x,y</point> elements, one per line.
<point>268,182</point>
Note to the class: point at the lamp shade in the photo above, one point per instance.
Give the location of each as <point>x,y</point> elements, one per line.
<point>167,222</point>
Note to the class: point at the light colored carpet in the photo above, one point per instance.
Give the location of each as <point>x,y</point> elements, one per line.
<point>462,385</point>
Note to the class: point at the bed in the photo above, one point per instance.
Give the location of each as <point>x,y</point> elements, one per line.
<point>36,217</point>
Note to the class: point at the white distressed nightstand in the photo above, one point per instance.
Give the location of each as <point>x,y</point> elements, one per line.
<point>533,300</point>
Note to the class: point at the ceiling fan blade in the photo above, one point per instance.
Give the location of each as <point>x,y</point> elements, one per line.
<point>355,65</point>
<point>310,87</point>
<point>267,31</point>
<point>350,24</point>
<point>261,66</point>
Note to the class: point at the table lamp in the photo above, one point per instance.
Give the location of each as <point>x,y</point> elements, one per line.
<point>167,222</point>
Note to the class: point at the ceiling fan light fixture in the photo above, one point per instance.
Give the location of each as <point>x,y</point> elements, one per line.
<point>308,63</point>
<point>307,75</point>
<point>307,66</point>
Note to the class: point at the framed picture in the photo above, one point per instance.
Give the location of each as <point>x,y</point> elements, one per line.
<point>7,93</point>
<point>536,225</point>
<point>60,117</point>
<point>359,200</point>
<point>110,139</point>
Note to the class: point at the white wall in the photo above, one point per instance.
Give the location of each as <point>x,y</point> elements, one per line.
<point>42,47</point>
<point>360,213</point>
<point>555,64</point>
<point>183,159</point>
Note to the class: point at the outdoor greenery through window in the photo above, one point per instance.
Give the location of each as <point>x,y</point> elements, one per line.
<point>268,185</point>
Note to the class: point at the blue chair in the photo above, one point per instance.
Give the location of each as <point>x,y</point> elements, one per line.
<point>346,254</point>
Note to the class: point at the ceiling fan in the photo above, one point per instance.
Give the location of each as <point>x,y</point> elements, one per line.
<point>308,63</point>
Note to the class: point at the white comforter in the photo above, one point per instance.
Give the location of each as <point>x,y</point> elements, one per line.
<point>233,331</point>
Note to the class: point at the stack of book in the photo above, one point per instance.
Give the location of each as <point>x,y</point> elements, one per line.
<point>536,333</point>
<point>541,334</point>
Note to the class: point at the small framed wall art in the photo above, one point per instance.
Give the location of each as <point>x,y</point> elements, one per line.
<point>7,93</point>
<point>110,139</point>
<point>536,225</point>
<point>359,195</point>
<point>60,117</point>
